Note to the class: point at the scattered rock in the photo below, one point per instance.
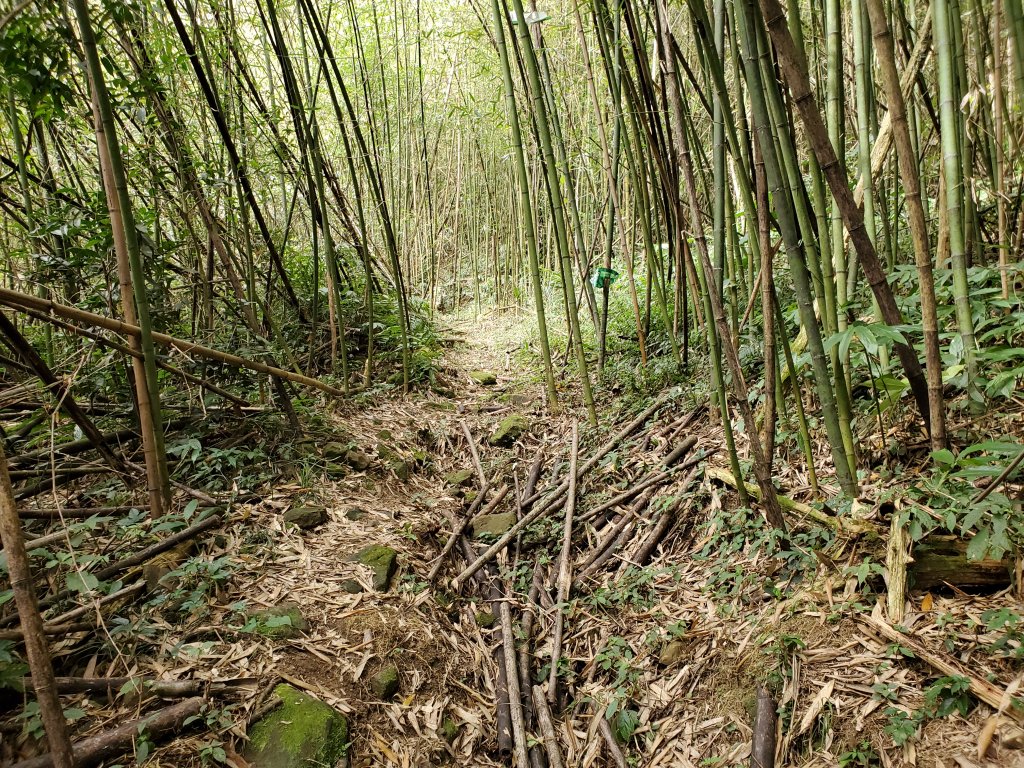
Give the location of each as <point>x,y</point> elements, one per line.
<point>352,586</point>
<point>336,471</point>
<point>384,562</point>
<point>384,684</point>
<point>280,622</point>
<point>493,525</point>
<point>394,462</point>
<point>303,731</point>
<point>460,478</point>
<point>357,459</point>
<point>334,450</point>
<point>355,513</point>
<point>305,517</point>
<point>485,619</point>
<point>672,652</point>
<point>484,378</point>
<point>509,430</point>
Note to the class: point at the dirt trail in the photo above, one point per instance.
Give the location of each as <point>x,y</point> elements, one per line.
<point>445,685</point>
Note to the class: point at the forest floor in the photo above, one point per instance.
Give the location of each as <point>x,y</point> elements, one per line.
<point>669,642</point>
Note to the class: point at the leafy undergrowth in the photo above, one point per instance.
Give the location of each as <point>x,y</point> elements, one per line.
<point>671,647</point>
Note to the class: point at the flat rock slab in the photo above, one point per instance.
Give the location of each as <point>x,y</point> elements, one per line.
<point>460,478</point>
<point>509,430</point>
<point>302,732</point>
<point>384,562</point>
<point>384,684</point>
<point>280,622</point>
<point>305,517</point>
<point>484,378</point>
<point>493,525</point>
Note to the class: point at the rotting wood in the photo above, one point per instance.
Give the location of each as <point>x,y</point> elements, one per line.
<point>997,698</point>
<point>36,646</point>
<point>117,741</point>
<point>553,490</point>
<point>941,561</point>
<point>656,479</point>
<point>897,557</point>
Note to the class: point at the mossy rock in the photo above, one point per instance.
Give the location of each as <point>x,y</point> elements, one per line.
<point>336,471</point>
<point>334,450</point>
<point>384,562</point>
<point>384,684</point>
<point>485,619</point>
<point>355,513</point>
<point>509,430</point>
<point>280,622</point>
<point>672,652</point>
<point>305,517</point>
<point>357,459</point>
<point>352,586</point>
<point>483,378</point>
<point>302,732</point>
<point>493,525</point>
<point>461,478</point>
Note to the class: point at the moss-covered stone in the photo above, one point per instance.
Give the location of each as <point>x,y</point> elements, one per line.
<point>305,517</point>
<point>460,478</point>
<point>334,450</point>
<point>672,652</point>
<point>384,684</point>
<point>357,459</point>
<point>355,513</point>
<point>352,586</point>
<point>493,525</point>
<point>485,619</point>
<point>509,430</point>
<point>384,562</point>
<point>484,378</point>
<point>302,732</point>
<point>280,622</point>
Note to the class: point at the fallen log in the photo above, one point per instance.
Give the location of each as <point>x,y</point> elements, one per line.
<point>941,561</point>
<point>49,629</point>
<point>103,746</point>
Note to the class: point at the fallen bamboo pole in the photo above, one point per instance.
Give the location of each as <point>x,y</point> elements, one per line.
<point>18,300</point>
<point>36,647</point>
<point>96,749</point>
<point>564,566</point>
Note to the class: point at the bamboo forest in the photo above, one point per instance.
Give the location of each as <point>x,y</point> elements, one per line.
<point>547,384</point>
